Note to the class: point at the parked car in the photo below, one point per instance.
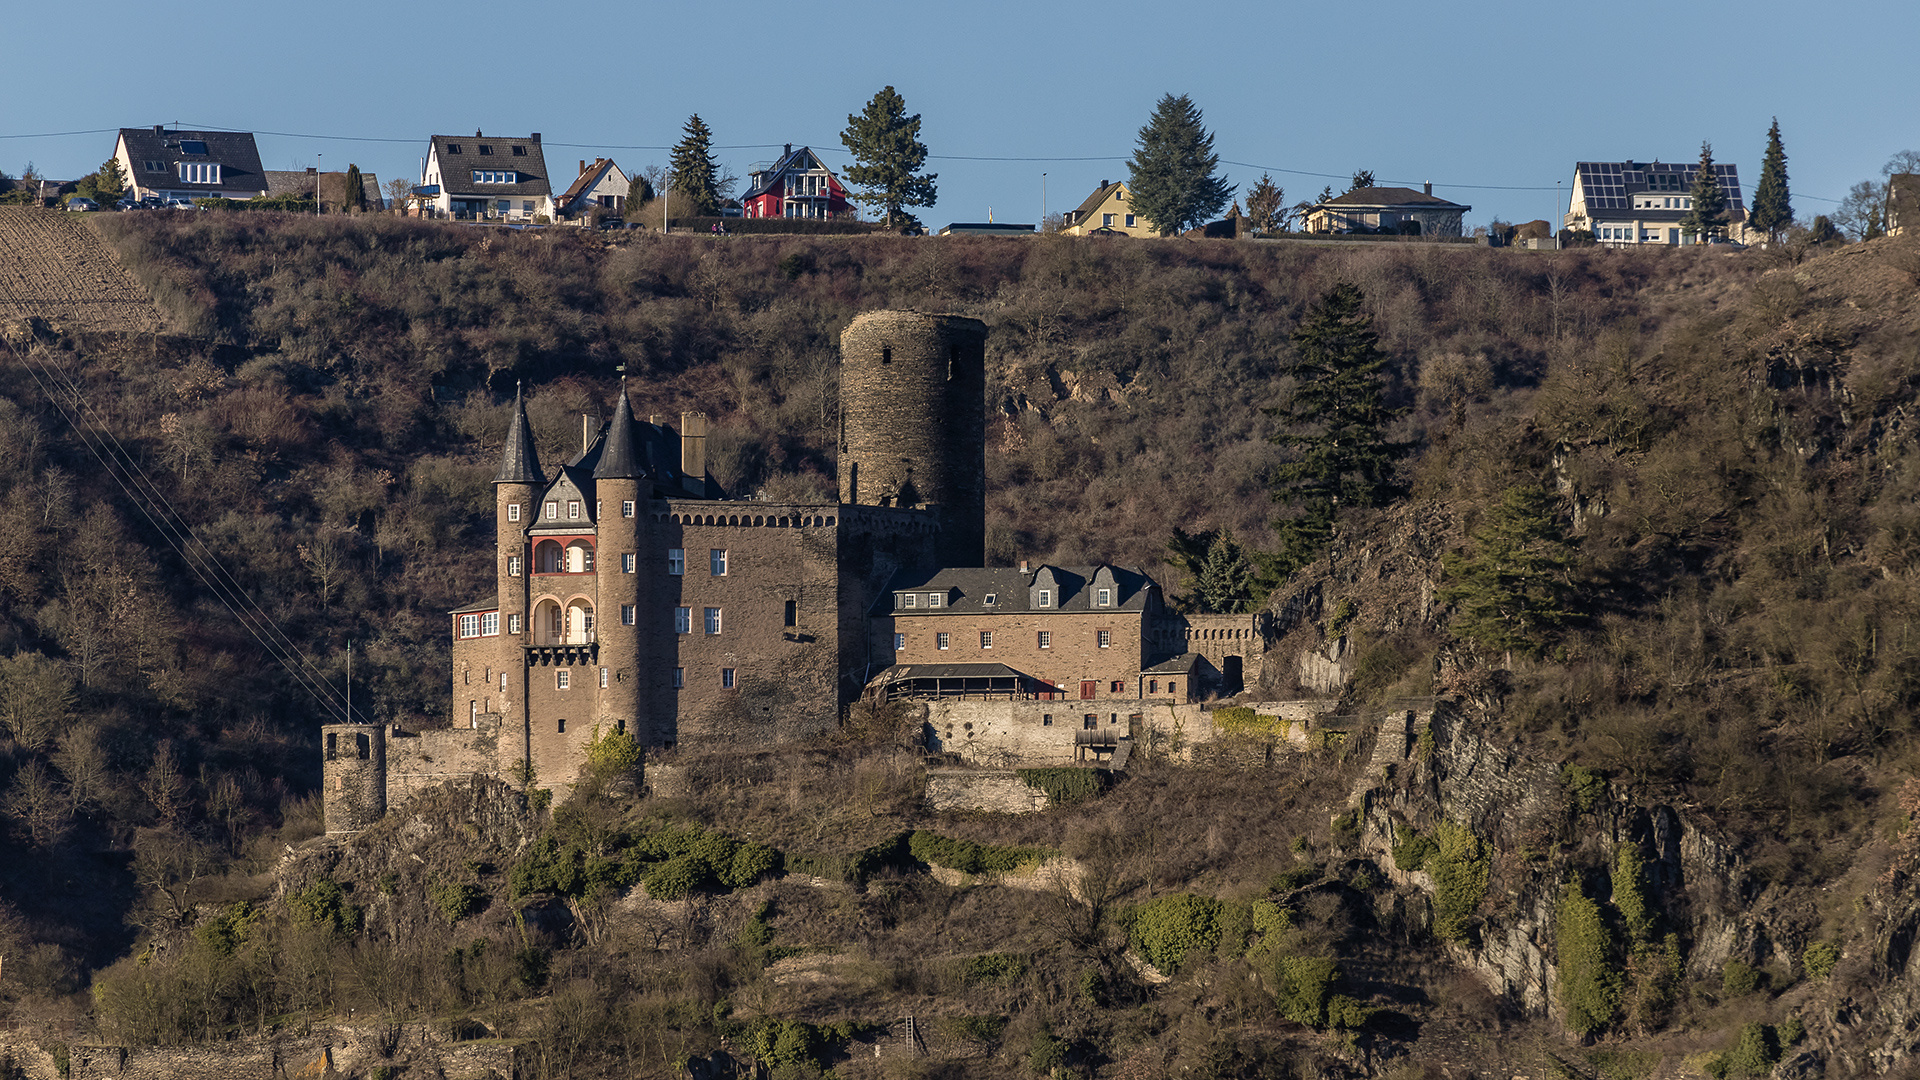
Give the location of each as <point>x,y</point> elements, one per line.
<point>80,204</point>
<point>180,204</point>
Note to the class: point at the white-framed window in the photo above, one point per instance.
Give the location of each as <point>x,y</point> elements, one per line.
<point>597,512</point>
<point>513,627</point>
<point>553,510</point>
<point>561,678</point>
<point>1103,597</point>
<point>495,176</point>
<point>679,678</point>
<point>586,560</point>
<point>490,624</point>
<point>628,560</point>
<point>626,508</point>
<point>199,172</point>
<point>1046,639</point>
<point>991,599</point>
<point>628,614</point>
<point>726,678</point>
<point>933,599</point>
<point>943,641</point>
<point>676,561</point>
<point>573,509</point>
<point>717,562</point>
<point>469,626</point>
<point>603,678</point>
<point>1046,598</point>
<point>899,642</point>
<point>513,566</point>
<point>1106,220</point>
<point>513,511</point>
<point>1129,221</point>
<point>1104,638</point>
<point>908,599</point>
<point>526,206</point>
<point>683,620</point>
<point>986,639</point>
<point>712,620</point>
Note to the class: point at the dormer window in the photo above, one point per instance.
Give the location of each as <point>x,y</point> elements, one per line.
<point>519,151</point>
<point>485,150</point>
<point>495,176</point>
<point>154,166</point>
<point>1103,597</point>
<point>199,172</point>
<point>933,599</point>
<point>453,148</point>
<point>553,510</point>
<point>1044,598</point>
<point>907,599</point>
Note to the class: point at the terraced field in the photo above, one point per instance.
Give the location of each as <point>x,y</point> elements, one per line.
<point>54,265</point>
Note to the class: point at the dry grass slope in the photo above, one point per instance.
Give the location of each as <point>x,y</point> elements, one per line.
<point>54,266</point>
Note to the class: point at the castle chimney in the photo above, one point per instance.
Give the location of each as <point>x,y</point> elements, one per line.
<point>693,448</point>
<point>1023,566</point>
<point>586,432</point>
<point>1428,186</point>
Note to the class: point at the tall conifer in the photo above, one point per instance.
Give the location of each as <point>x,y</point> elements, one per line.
<point>1707,217</point>
<point>1337,419</point>
<point>1772,211</point>
<point>694,173</point>
<point>885,143</point>
<point>1172,181</point>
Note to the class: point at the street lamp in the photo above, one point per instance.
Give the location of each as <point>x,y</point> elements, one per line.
<point>1043,202</point>
<point>318,164</point>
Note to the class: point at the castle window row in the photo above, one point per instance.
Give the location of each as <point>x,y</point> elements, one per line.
<point>549,557</point>
<point>804,521</point>
<point>486,624</point>
<point>1042,638</point>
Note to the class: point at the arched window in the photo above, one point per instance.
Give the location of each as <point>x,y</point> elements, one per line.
<point>579,557</point>
<point>549,558</point>
<point>549,623</point>
<point>578,628</point>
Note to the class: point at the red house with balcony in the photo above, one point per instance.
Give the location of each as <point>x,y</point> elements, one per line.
<point>796,186</point>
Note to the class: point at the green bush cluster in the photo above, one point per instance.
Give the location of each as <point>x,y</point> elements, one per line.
<point>1820,959</point>
<point>969,857</point>
<point>1168,930</point>
<point>672,860</point>
<point>455,900</point>
<point>853,867</point>
<point>1585,788</point>
<point>1460,863</point>
<point>1242,720</point>
<point>227,929</point>
<point>997,969</point>
<point>1066,786</point>
<point>324,903</point>
<point>1410,849</point>
<point>1590,982</point>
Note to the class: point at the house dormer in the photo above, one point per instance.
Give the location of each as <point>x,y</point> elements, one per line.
<point>798,185</point>
<point>565,506</point>
<point>1043,592</point>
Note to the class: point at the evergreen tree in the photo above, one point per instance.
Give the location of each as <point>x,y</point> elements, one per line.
<point>1772,211</point>
<point>1337,419</point>
<point>110,183</point>
<point>1172,181</point>
<point>694,173</point>
<point>1264,201</point>
<point>1708,216</point>
<point>355,197</point>
<point>639,193</point>
<point>1216,575</point>
<point>1362,178</point>
<point>885,143</point>
<point>1514,591</point>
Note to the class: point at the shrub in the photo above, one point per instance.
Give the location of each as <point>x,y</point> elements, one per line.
<point>1046,1052</point>
<point>612,753</point>
<point>324,903</point>
<point>676,877</point>
<point>456,899</point>
<point>1630,894</point>
<point>1241,720</point>
<point>1067,786</point>
<point>1460,864</point>
<point>749,864</point>
<point>995,968</point>
<point>1166,931</point>
<point>1755,1052</point>
<point>228,929</point>
<point>1739,978</point>
<point>1301,987</point>
<point>969,857</point>
<point>1589,975</point>
<point>1820,958</point>
<point>1410,849</point>
<point>1585,788</point>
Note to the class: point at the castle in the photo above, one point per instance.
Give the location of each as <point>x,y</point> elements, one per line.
<point>631,594</point>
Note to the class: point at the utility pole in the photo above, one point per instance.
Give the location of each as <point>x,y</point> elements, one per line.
<point>319,170</point>
<point>349,681</point>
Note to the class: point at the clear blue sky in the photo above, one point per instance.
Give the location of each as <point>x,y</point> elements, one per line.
<point>1499,94</point>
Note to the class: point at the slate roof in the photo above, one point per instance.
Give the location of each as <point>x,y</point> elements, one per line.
<point>621,458</point>
<point>520,155</point>
<point>1394,197</point>
<point>1100,195</point>
<point>491,603</point>
<point>949,671</point>
<point>789,161</point>
<point>234,151</point>
<point>1179,665</point>
<point>965,590</point>
<point>518,463</point>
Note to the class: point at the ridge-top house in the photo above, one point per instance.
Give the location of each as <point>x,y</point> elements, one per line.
<point>1630,202</point>
<point>1388,209</point>
<point>487,177</point>
<point>189,164</point>
<point>600,184</point>
<point>1105,212</point>
<point>798,185</point>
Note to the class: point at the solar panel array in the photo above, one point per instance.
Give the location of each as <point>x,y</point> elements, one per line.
<point>1611,185</point>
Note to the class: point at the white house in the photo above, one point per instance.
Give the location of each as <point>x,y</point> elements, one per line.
<point>1629,202</point>
<point>487,177</point>
<point>600,184</point>
<point>189,164</point>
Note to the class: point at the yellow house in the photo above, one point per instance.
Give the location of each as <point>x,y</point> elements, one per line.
<point>1107,211</point>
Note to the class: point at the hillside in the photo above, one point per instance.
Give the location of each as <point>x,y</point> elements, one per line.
<point>1722,444</point>
<point>54,267</point>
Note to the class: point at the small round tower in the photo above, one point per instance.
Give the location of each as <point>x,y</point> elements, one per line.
<point>913,421</point>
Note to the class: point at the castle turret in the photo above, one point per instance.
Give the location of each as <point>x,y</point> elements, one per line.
<point>622,485</point>
<point>913,422</point>
<point>517,487</point>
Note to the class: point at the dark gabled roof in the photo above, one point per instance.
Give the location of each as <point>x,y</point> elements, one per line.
<point>1179,665</point>
<point>233,151</point>
<point>491,603</point>
<point>792,159</point>
<point>1392,196</point>
<point>456,170</point>
<point>588,180</point>
<point>518,463</point>
<point>1093,202</point>
<point>621,457</point>
<point>965,589</point>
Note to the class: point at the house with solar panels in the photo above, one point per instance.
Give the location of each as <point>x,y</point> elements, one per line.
<point>1629,202</point>
<point>185,165</point>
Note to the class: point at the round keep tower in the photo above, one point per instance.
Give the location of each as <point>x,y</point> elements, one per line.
<point>913,421</point>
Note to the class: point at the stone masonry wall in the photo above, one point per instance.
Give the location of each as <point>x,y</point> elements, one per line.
<point>416,761</point>
<point>996,792</point>
<point>1030,734</point>
<point>337,1050</point>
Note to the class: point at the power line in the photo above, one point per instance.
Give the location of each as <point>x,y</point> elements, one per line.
<point>62,134</point>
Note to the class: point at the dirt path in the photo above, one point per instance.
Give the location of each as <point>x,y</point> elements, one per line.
<point>55,265</point>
